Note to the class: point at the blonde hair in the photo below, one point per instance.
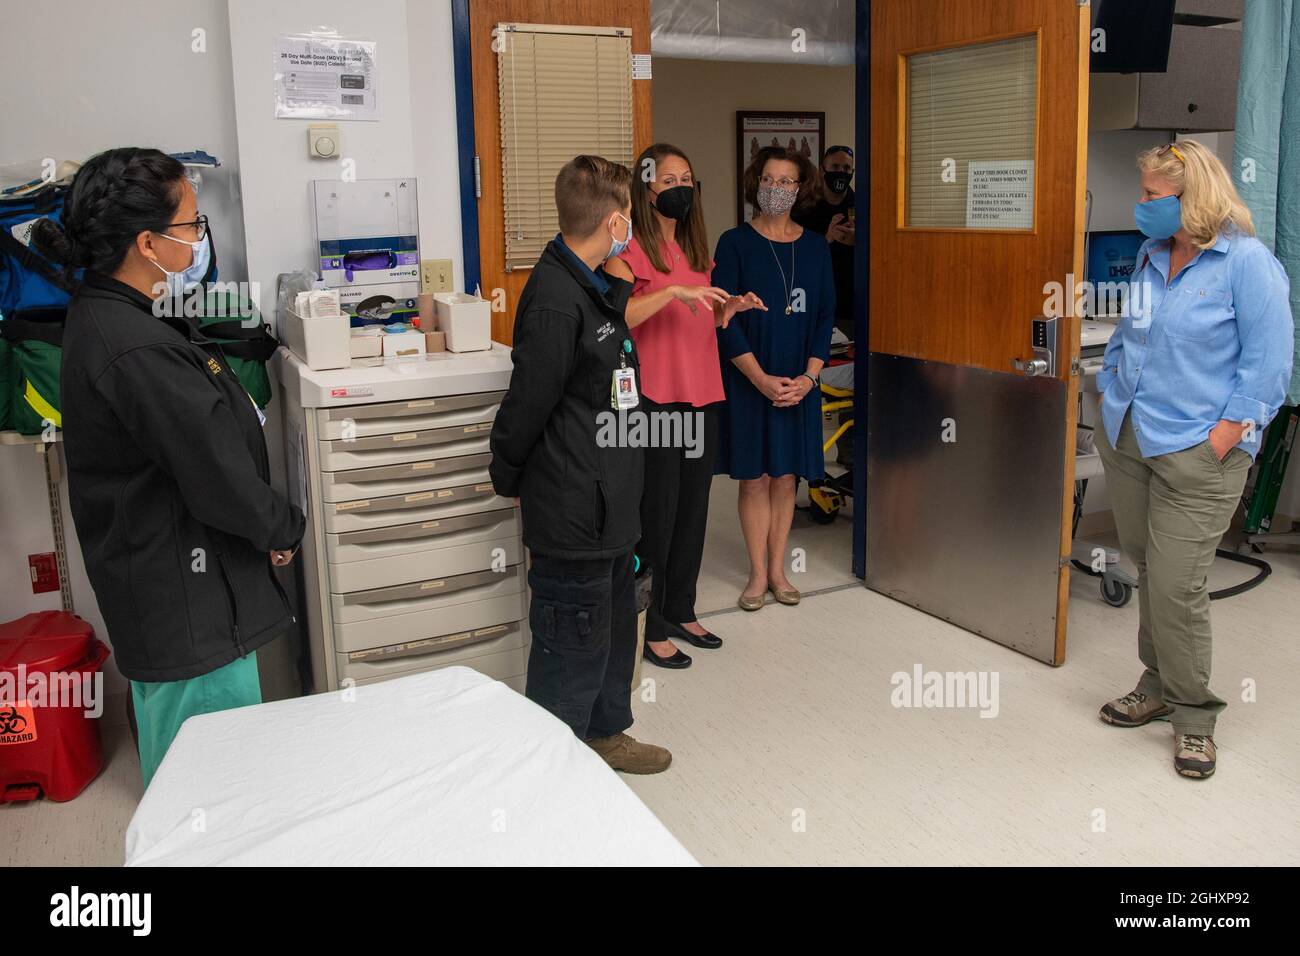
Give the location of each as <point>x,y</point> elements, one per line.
<point>1209,200</point>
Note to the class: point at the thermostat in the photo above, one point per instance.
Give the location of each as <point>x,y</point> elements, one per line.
<point>323,142</point>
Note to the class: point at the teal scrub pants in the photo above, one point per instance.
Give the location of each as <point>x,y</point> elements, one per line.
<point>161,708</point>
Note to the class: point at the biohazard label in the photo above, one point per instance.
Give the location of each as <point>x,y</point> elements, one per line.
<point>17,723</point>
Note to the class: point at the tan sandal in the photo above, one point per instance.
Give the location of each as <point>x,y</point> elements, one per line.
<point>750,603</point>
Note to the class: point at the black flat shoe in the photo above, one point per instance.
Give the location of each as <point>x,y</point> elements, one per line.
<point>708,641</point>
<point>676,662</point>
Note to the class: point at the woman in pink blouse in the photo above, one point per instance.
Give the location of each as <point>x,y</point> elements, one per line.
<point>673,313</point>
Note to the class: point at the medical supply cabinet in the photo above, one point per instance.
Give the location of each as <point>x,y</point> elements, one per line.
<point>410,560</point>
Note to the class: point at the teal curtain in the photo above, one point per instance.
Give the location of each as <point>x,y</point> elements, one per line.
<point>1266,153</point>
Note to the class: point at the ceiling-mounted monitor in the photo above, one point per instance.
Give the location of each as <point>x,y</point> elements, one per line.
<point>1135,36</point>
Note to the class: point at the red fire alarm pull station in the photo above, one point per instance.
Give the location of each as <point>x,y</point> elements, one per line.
<point>45,572</point>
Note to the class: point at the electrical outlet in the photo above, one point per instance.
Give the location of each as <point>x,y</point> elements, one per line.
<point>435,275</point>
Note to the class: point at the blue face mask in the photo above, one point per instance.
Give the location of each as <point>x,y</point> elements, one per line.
<point>178,282</point>
<point>618,245</point>
<point>1159,218</point>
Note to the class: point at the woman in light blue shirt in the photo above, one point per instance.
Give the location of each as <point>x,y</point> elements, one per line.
<point>1196,370</point>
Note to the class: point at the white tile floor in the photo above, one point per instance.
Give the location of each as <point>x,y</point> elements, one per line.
<point>787,748</point>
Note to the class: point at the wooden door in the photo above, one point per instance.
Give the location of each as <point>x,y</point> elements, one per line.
<point>970,478</point>
<point>484,17</point>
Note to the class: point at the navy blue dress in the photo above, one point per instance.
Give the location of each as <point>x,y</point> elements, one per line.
<point>755,438</point>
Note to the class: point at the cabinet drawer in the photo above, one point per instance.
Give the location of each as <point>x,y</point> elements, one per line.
<point>403,447</point>
<point>416,415</point>
<point>509,666</point>
<point>409,478</point>
<point>403,562</point>
<point>370,513</point>
<point>400,539</point>
<point>426,624</point>
<point>426,595</point>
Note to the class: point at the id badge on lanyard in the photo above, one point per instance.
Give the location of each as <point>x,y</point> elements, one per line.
<point>622,389</point>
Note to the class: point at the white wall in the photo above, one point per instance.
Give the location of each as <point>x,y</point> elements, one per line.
<point>133,78</point>
<point>118,80</point>
<point>415,135</point>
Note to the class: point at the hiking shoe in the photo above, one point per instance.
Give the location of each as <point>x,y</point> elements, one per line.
<point>1134,710</point>
<point>631,756</point>
<point>1194,755</point>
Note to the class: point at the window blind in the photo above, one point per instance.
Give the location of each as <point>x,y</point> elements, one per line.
<point>973,104</point>
<point>564,91</point>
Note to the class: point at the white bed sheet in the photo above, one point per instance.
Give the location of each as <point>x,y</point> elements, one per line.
<point>442,768</point>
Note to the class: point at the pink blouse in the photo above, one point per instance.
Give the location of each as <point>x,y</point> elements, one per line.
<point>678,347</point>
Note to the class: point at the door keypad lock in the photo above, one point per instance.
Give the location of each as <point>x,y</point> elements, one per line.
<point>1042,343</point>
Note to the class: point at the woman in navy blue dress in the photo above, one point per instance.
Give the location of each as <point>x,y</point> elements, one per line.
<point>771,432</point>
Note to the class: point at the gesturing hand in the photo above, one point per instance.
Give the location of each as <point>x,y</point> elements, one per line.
<point>280,558</point>
<point>739,303</point>
<point>695,296</point>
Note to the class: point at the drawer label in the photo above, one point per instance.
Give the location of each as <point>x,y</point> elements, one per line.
<point>406,436</point>
<point>422,496</point>
<point>487,487</point>
<point>472,429</point>
<point>423,403</point>
<point>430,585</point>
<point>352,390</point>
<point>446,493</point>
<point>351,505</point>
<point>431,524</point>
<point>424,466</point>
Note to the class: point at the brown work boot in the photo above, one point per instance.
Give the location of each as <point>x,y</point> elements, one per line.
<point>631,756</point>
<point>1134,710</point>
<point>1194,755</point>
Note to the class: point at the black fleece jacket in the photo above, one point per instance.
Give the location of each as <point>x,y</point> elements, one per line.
<point>580,497</point>
<point>170,488</point>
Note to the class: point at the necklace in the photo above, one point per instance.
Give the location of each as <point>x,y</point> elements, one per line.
<point>787,289</point>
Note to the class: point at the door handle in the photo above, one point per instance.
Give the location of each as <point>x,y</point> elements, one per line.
<point>1031,368</point>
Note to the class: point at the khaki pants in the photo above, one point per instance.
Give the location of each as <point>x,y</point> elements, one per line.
<point>1171,512</point>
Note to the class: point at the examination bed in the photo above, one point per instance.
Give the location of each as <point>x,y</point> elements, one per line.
<point>445,767</point>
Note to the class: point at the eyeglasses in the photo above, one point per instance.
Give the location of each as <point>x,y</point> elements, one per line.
<point>201,224</point>
<point>784,182</point>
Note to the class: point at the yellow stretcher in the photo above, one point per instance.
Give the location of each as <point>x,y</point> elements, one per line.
<point>826,496</point>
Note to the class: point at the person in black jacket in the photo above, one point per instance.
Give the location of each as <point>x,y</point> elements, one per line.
<point>575,368</point>
<point>168,475</point>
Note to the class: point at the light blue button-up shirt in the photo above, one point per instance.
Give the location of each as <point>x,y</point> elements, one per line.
<point>1216,343</point>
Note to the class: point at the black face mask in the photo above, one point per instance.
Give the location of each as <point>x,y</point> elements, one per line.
<point>676,203</point>
<point>838,181</point>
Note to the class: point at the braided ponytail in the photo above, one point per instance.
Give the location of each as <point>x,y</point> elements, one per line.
<point>114,197</point>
